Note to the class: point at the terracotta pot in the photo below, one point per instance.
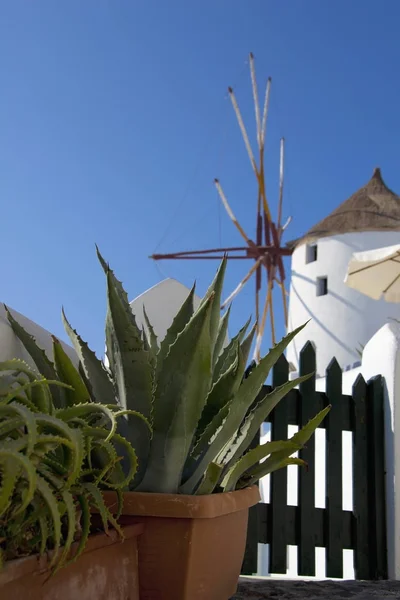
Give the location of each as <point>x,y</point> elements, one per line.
<point>192,547</point>
<point>107,570</point>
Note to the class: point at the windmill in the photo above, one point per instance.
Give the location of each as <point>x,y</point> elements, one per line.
<point>266,252</point>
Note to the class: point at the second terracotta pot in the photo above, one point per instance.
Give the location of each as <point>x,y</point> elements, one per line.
<point>192,547</point>
<point>107,570</point>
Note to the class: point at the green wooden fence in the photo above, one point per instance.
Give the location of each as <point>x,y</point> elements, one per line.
<point>363,529</point>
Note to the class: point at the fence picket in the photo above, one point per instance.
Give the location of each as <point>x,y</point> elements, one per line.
<point>306,495</point>
<point>279,421</point>
<point>334,486</point>
<point>361,496</point>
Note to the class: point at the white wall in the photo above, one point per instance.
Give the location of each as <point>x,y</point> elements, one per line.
<point>11,347</point>
<point>162,303</point>
<point>382,357</point>
<point>344,318</point>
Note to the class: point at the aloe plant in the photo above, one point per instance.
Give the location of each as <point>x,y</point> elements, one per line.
<point>202,406</point>
<point>50,473</point>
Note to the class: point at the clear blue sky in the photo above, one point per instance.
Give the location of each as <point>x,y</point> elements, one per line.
<point>113,114</point>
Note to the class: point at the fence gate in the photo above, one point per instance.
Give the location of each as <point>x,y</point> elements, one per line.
<point>363,529</point>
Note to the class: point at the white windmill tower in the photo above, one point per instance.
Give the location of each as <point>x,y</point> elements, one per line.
<point>342,319</point>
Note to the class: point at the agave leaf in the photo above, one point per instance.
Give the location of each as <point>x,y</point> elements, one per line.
<point>179,323</point>
<point>252,476</point>
<point>210,479</point>
<point>246,345</point>
<point>180,396</point>
<point>229,352</point>
<point>153,337</point>
<point>43,363</point>
<point>93,369</point>
<point>215,291</point>
<point>69,375</point>
<point>221,336</point>
<point>300,438</point>
<point>254,419</point>
<point>220,394</point>
<point>253,457</point>
<point>131,368</point>
<point>248,391</point>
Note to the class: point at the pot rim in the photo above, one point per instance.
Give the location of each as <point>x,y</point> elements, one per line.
<point>182,506</point>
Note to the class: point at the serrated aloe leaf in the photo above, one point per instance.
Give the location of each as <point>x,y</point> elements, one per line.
<point>75,458</point>
<point>252,476</point>
<point>255,418</point>
<point>253,457</point>
<point>215,291</point>
<point>98,433</point>
<point>28,419</point>
<point>105,514</point>
<point>85,527</point>
<point>43,363</point>
<point>131,367</point>
<point>95,373</point>
<point>36,388</point>
<point>9,477</point>
<point>44,534</point>
<point>179,323</point>
<point>300,438</point>
<point>29,470</point>
<point>180,396</point>
<point>88,409</point>
<point>229,352</point>
<point>42,400</point>
<point>71,527</point>
<point>210,479</point>
<point>221,336</point>
<point>51,502</point>
<point>248,391</point>
<point>68,374</point>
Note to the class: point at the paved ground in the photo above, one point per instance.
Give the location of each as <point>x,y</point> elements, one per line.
<point>278,589</point>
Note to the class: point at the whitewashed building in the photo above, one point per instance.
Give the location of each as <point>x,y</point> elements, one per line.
<point>342,319</point>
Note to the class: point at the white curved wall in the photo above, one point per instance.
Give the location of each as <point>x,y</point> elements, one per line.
<point>11,347</point>
<point>344,318</point>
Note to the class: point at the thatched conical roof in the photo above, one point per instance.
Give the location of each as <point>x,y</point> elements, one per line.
<point>374,207</point>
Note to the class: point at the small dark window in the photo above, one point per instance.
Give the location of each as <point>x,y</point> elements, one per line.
<point>311,253</point>
<point>322,286</point>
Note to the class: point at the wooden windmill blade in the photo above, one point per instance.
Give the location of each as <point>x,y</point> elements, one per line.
<point>266,252</point>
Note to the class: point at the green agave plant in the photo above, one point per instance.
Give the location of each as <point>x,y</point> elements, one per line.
<point>51,465</point>
<point>192,391</point>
